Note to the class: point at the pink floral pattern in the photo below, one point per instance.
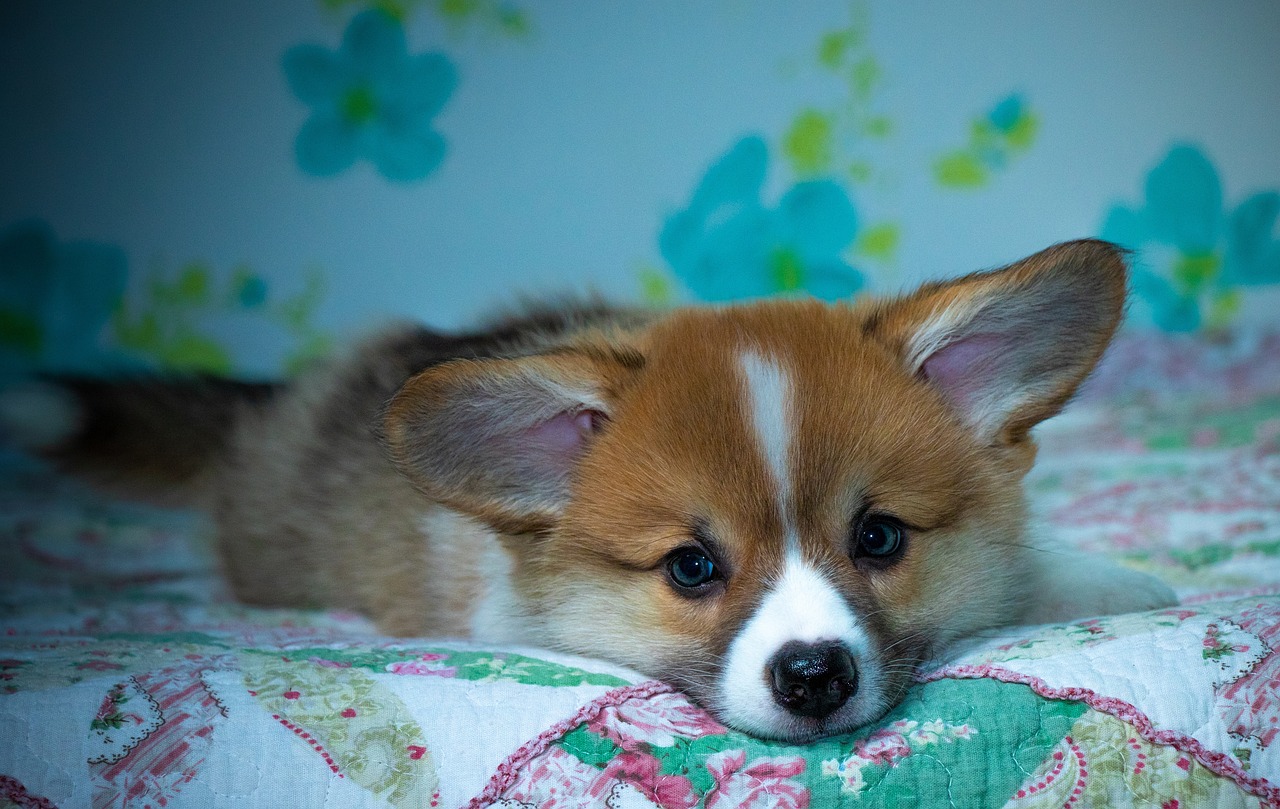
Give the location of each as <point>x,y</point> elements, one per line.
<point>655,722</point>
<point>427,665</point>
<point>558,780</point>
<point>645,773</point>
<point>1251,704</point>
<point>767,783</point>
<point>170,738</point>
<point>126,717</point>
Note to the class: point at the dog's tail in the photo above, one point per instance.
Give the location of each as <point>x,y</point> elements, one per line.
<point>149,437</point>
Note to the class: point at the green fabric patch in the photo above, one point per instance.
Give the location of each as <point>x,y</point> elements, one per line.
<point>478,666</point>
<point>970,740</point>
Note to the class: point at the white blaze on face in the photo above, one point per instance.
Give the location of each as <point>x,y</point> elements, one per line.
<point>768,394</point>
<point>802,606</point>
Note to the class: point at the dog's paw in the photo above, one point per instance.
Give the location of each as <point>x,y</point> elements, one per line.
<point>1082,586</point>
<point>1128,590</point>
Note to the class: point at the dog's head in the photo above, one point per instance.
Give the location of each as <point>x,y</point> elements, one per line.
<point>781,507</point>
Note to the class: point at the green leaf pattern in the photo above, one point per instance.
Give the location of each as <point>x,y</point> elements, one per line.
<point>361,729</point>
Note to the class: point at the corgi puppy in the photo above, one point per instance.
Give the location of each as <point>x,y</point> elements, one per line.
<point>782,507</point>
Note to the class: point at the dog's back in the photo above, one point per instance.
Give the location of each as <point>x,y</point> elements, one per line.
<point>309,510</point>
<point>303,480</point>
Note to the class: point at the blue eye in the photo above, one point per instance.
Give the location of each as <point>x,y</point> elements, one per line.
<point>691,568</point>
<point>879,537</point>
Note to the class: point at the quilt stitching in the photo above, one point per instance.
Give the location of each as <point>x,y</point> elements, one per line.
<point>1219,763</point>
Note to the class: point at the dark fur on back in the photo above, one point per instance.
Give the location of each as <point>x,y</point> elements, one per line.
<point>155,436</point>
<point>367,386</point>
<point>141,435</point>
<point>295,472</point>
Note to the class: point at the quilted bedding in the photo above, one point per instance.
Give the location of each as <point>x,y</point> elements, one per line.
<point>128,677</point>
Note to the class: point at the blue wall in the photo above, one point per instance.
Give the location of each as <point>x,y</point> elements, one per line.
<point>239,185</point>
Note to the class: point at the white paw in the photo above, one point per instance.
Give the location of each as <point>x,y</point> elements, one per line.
<point>1079,586</point>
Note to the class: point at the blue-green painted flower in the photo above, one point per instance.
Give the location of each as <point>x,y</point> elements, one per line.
<point>1008,114</point>
<point>248,289</point>
<point>370,99</point>
<point>1193,254</point>
<point>727,245</point>
<point>1006,131</point>
<point>1252,256</point>
<point>56,299</point>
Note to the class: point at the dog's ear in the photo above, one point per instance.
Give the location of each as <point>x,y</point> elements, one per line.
<point>499,439</point>
<point>1008,348</point>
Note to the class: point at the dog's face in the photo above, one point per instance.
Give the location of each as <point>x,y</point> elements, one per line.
<point>780,520</point>
<point>782,508</point>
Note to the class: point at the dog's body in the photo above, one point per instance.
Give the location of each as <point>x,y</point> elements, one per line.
<point>782,507</point>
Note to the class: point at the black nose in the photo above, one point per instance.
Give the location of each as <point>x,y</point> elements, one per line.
<point>813,679</point>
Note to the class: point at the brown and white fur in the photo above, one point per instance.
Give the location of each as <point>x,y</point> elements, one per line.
<point>548,482</point>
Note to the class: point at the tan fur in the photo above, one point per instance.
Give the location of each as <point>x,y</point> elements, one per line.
<point>411,480</point>
<point>680,449</point>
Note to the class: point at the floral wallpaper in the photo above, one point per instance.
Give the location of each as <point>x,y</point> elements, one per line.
<point>370,100</point>
<point>1196,255</point>
<point>727,245</point>
<point>165,324</point>
<point>55,298</point>
<point>66,307</point>
<point>839,135</point>
<point>1005,132</point>
<point>357,161</point>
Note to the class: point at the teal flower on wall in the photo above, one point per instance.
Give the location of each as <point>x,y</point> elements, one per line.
<point>1193,254</point>
<point>370,99</point>
<point>56,299</point>
<point>1006,131</point>
<point>727,245</point>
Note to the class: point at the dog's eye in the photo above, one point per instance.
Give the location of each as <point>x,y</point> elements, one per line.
<point>691,569</point>
<point>879,537</point>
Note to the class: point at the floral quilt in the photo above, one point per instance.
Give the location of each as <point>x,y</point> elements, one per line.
<point>129,678</point>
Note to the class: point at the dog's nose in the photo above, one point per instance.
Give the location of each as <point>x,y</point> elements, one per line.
<point>813,679</point>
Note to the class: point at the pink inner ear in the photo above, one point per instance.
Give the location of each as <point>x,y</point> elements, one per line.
<point>966,370</point>
<point>562,437</point>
